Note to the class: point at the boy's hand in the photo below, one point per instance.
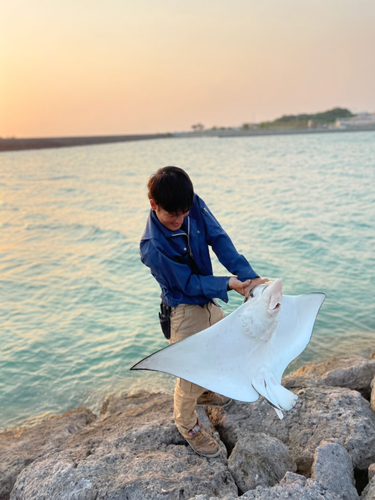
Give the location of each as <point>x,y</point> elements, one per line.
<point>253,283</point>
<point>244,287</point>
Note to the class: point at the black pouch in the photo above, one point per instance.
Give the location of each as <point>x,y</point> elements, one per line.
<point>165,320</point>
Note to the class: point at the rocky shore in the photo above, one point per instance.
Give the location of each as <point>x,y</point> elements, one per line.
<point>323,449</point>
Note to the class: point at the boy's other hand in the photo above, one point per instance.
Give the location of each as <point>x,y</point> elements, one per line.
<point>244,287</point>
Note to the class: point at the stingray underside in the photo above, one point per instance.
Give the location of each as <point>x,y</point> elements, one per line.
<point>226,360</point>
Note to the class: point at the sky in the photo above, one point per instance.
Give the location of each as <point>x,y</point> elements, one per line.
<point>90,67</point>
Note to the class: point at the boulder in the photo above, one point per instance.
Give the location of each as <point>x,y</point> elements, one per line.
<point>369,492</point>
<point>133,450</point>
<point>320,413</point>
<point>207,497</point>
<point>354,373</point>
<point>20,447</point>
<point>293,487</point>
<point>259,460</point>
<point>372,399</point>
<point>333,469</point>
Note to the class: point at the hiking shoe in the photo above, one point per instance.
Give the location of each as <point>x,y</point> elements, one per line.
<point>202,443</point>
<point>209,398</point>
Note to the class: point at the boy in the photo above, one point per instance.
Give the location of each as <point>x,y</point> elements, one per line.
<point>174,246</point>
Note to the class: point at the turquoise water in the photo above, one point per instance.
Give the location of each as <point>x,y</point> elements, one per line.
<point>78,308</point>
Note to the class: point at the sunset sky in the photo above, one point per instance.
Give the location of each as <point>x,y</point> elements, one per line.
<point>90,67</point>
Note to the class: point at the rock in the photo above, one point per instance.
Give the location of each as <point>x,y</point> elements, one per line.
<point>320,413</point>
<point>371,472</point>
<point>372,400</point>
<point>206,497</point>
<point>333,469</point>
<point>20,447</point>
<point>133,450</point>
<point>354,373</point>
<point>292,487</point>
<point>369,492</point>
<point>259,460</point>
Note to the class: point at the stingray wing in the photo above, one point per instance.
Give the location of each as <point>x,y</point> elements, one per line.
<point>212,358</point>
<point>294,329</point>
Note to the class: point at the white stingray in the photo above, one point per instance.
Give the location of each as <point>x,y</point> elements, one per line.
<point>245,354</point>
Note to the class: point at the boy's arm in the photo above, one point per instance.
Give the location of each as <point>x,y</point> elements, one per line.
<point>175,276</point>
<point>224,249</point>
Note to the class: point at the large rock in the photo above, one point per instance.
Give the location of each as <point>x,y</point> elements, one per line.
<point>354,373</point>
<point>320,413</point>
<point>259,460</point>
<point>372,400</point>
<point>333,469</point>
<point>20,447</point>
<point>369,492</point>
<point>132,451</point>
<point>291,487</point>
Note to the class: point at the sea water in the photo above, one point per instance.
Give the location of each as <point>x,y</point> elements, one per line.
<point>77,306</point>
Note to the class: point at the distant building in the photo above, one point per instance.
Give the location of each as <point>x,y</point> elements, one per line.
<point>357,121</point>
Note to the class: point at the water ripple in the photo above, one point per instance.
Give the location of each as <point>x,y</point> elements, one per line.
<point>78,308</point>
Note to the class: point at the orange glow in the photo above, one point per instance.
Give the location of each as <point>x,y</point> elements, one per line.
<point>95,68</point>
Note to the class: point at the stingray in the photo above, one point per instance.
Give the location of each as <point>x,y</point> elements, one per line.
<point>245,354</point>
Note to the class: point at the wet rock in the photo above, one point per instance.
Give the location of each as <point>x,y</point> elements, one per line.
<point>354,373</point>
<point>20,447</point>
<point>333,468</point>
<point>132,451</point>
<point>320,414</point>
<point>259,460</point>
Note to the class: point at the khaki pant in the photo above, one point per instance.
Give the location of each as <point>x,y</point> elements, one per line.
<point>186,320</point>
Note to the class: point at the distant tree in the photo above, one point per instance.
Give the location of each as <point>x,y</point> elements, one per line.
<point>325,117</point>
<point>198,127</point>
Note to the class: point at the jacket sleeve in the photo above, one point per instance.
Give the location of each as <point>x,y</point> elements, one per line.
<point>173,275</point>
<point>223,247</point>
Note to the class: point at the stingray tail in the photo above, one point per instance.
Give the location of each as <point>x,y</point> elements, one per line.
<point>279,397</point>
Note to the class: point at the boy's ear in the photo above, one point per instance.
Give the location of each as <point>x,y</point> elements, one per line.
<point>153,205</point>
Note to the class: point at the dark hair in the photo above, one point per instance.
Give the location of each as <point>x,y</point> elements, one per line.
<point>172,189</point>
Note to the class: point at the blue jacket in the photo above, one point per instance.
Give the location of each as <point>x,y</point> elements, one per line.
<point>180,260</point>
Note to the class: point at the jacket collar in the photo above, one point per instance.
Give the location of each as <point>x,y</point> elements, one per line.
<point>155,229</point>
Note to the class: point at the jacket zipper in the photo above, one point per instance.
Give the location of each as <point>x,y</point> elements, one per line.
<point>188,238</point>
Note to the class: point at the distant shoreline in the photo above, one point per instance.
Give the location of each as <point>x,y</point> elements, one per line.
<point>263,132</point>
<point>60,142</point>
<point>64,142</point>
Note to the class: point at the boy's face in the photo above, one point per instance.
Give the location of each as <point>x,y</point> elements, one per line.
<point>172,221</point>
